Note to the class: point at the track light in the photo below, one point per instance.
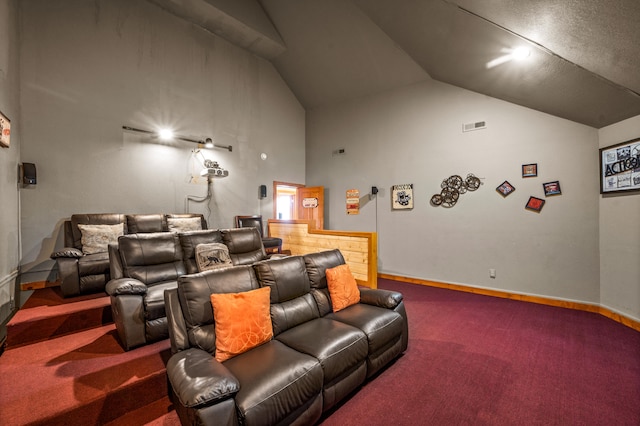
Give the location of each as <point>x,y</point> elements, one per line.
<point>167,134</point>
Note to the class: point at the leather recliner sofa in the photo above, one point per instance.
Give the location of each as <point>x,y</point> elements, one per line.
<point>86,273</point>
<point>144,265</point>
<point>316,356</point>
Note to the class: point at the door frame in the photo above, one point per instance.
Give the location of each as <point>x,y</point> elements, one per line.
<point>275,196</point>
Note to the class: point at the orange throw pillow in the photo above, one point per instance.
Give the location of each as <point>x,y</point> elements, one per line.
<point>242,320</point>
<point>343,288</point>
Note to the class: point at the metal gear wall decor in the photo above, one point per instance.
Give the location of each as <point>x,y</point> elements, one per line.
<point>452,187</point>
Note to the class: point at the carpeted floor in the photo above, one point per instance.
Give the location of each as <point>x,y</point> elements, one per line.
<point>479,360</point>
<point>472,360</point>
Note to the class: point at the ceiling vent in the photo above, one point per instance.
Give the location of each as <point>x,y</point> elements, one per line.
<point>478,125</point>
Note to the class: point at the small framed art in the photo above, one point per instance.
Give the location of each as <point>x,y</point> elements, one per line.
<point>505,188</point>
<point>551,188</point>
<point>535,204</point>
<point>620,167</point>
<point>5,131</point>
<point>402,196</point>
<point>529,170</point>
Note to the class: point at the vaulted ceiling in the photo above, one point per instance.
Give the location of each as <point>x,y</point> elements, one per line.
<point>584,63</point>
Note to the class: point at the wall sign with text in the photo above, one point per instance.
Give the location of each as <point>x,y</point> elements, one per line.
<point>620,167</point>
<point>402,196</point>
<point>353,201</point>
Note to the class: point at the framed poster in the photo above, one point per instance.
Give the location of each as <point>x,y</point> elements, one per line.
<point>552,188</point>
<point>505,188</point>
<point>530,170</point>
<point>353,201</point>
<point>535,204</point>
<point>620,167</point>
<point>402,196</point>
<point>5,131</point>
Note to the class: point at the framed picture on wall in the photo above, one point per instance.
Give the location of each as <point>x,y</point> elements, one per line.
<point>620,167</point>
<point>535,204</point>
<point>551,188</point>
<point>402,196</point>
<point>505,188</point>
<point>529,170</point>
<point>5,131</point>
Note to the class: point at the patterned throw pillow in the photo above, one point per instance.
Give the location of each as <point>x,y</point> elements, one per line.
<point>343,288</point>
<point>212,256</point>
<point>242,321</point>
<point>184,224</point>
<point>96,238</point>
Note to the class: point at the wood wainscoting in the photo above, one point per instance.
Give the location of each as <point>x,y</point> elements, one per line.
<point>359,249</point>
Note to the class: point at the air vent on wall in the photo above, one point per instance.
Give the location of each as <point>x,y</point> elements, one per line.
<point>474,126</point>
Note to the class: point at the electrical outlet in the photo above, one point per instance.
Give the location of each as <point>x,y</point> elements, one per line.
<point>492,273</point>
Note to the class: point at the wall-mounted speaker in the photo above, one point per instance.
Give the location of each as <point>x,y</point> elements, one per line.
<point>29,174</point>
<point>263,191</point>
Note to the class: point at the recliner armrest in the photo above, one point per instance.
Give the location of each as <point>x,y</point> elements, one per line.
<point>126,286</point>
<point>70,252</point>
<point>382,298</point>
<point>197,378</point>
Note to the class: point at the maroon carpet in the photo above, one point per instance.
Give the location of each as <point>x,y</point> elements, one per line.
<point>472,359</point>
<point>480,360</point>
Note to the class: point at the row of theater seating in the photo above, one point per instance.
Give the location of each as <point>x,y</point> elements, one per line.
<point>144,265</point>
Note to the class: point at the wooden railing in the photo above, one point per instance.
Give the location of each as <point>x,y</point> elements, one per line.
<point>359,249</point>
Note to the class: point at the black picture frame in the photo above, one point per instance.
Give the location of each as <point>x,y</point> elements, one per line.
<point>620,167</point>
<point>505,188</point>
<point>552,188</point>
<point>535,204</point>
<point>530,170</point>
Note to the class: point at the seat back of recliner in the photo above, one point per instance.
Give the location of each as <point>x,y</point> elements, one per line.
<point>317,264</point>
<point>190,240</point>
<point>194,293</point>
<point>91,219</point>
<point>144,223</point>
<point>291,301</point>
<point>151,258</point>
<point>245,245</point>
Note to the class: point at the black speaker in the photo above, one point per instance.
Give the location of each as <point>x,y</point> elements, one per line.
<point>263,191</point>
<point>29,173</point>
<point>374,190</point>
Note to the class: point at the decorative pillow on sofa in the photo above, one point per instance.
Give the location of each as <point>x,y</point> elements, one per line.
<point>212,256</point>
<point>96,238</point>
<point>343,288</point>
<point>184,224</point>
<point>242,321</point>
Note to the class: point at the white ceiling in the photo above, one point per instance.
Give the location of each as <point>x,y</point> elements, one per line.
<point>584,66</point>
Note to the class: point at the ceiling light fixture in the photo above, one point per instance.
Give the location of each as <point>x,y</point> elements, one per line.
<point>167,134</point>
<point>519,53</point>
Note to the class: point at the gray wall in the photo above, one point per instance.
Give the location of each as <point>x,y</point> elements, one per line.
<point>414,135</point>
<point>9,157</point>
<point>620,235</point>
<point>88,68</point>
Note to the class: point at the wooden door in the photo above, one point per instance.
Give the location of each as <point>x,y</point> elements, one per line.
<point>310,205</point>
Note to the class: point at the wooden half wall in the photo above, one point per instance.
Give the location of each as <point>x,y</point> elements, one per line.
<point>359,249</point>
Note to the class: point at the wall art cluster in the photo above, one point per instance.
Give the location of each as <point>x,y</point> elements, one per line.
<point>534,204</point>
<point>452,187</point>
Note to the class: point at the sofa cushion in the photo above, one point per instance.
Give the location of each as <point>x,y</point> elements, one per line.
<point>291,302</point>
<point>93,264</point>
<point>245,245</point>
<point>190,240</point>
<point>184,224</point>
<point>194,294</point>
<point>317,264</point>
<point>275,381</point>
<point>142,223</point>
<point>154,300</point>
<point>96,238</point>
<point>212,256</point>
<point>151,258</point>
<point>382,326</point>
<point>342,287</point>
<point>242,321</point>
<point>340,349</point>
<point>73,236</point>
